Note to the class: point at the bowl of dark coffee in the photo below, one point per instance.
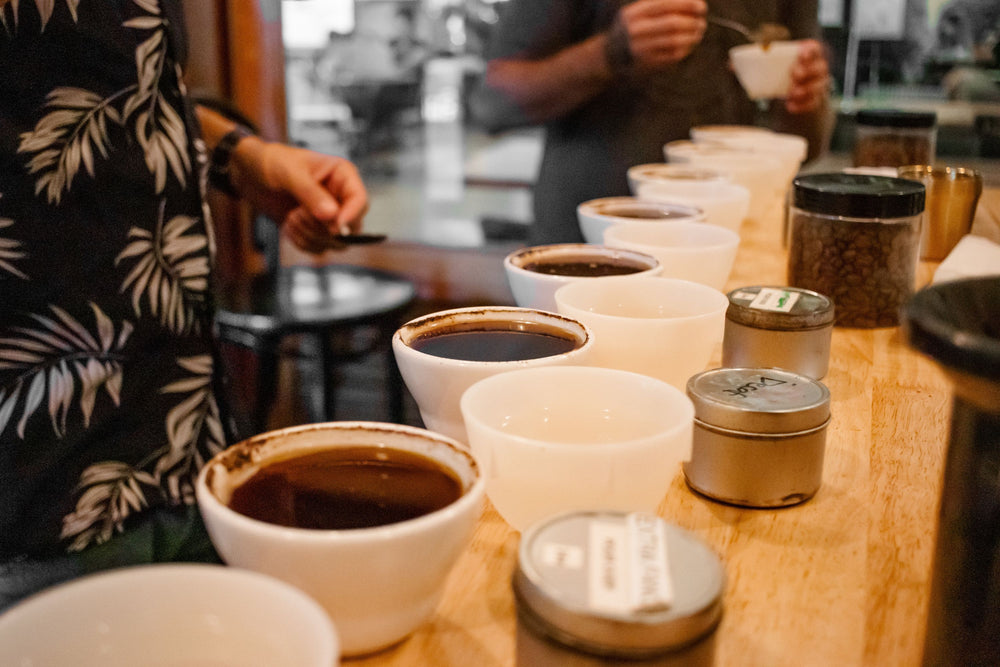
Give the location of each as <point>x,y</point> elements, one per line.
<point>441,354</point>
<point>596,215</point>
<point>534,273</point>
<point>368,518</point>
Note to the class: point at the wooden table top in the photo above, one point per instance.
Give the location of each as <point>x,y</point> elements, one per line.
<point>842,579</point>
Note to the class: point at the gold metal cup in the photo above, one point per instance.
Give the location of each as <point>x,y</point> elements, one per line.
<point>952,196</point>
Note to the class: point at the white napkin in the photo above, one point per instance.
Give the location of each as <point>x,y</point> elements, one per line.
<point>971,257</point>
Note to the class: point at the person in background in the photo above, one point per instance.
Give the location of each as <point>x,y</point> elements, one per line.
<point>612,82</point>
<point>110,397</point>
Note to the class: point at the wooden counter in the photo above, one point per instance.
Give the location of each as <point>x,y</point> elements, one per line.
<point>840,580</point>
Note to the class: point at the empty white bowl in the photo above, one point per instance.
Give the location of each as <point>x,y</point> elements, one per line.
<point>570,438</point>
<point>764,73</point>
<point>663,327</point>
<point>377,583</point>
<point>679,178</point>
<point>727,205</point>
<point>535,273</point>
<point>169,615</point>
<point>694,251</point>
<point>763,175</point>
<point>437,382</point>
<point>596,215</point>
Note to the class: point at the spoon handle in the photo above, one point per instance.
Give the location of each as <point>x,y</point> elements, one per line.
<point>732,25</point>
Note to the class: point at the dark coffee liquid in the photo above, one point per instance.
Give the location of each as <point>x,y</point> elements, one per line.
<point>584,269</point>
<point>346,487</point>
<point>494,344</point>
<point>641,213</point>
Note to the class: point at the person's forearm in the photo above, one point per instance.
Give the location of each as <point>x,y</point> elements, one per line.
<point>552,87</point>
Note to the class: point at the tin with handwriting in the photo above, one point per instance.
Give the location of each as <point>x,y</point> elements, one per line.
<point>759,436</point>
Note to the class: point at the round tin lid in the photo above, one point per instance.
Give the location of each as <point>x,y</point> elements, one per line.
<point>858,195</point>
<point>779,308</point>
<point>618,584</point>
<point>758,400</point>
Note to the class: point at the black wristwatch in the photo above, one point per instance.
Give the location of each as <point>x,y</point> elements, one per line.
<point>222,155</point>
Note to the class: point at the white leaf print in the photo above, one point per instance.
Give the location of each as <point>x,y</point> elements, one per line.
<point>52,359</point>
<point>151,6</point>
<point>10,250</point>
<point>110,491</point>
<point>192,421</point>
<point>170,271</point>
<point>79,118</point>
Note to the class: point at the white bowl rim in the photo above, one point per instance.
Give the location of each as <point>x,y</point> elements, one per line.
<point>708,291</point>
<point>580,250</point>
<point>183,573</point>
<point>651,172</point>
<point>385,533</point>
<point>401,341</point>
<point>484,384</point>
<point>586,207</point>
<point>724,237</point>
<point>757,49</point>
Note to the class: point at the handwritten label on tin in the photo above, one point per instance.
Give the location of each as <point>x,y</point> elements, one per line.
<point>628,566</point>
<point>753,385</point>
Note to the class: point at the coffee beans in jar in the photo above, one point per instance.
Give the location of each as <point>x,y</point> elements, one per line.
<point>892,138</point>
<point>856,239</point>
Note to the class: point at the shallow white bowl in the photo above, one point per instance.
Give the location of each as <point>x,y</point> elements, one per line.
<point>696,251</point>
<point>169,616</point>
<point>378,584</point>
<point>663,327</point>
<point>765,73</point>
<point>570,438</point>
<point>534,289</point>
<point>596,215</point>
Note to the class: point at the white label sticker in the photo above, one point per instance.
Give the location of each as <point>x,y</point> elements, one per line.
<point>651,588</point>
<point>608,576</point>
<point>565,556</point>
<point>777,300</point>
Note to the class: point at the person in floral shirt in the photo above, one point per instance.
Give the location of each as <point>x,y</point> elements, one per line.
<point>109,375</point>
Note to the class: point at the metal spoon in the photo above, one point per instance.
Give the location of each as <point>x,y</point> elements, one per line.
<point>764,35</point>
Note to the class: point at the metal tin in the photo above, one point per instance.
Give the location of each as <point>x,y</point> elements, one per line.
<point>600,587</point>
<point>759,436</point>
<point>780,327</point>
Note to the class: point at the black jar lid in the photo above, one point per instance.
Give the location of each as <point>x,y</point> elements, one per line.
<point>896,118</point>
<point>858,195</point>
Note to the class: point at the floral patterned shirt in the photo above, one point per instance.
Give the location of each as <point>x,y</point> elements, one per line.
<point>107,367</point>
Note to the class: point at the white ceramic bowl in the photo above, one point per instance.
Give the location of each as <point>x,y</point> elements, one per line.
<point>790,149</point>
<point>764,73</point>
<point>378,584</point>
<point>596,215</point>
<point>722,132</point>
<point>694,251</point>
<point>534,287</point>
<point>437,382</point>
<point>663,327</point>
<point>727,205</point>
<point>569,438</point>
<point>763,175</point>
<point>678,178</point>
<point>176,615</point>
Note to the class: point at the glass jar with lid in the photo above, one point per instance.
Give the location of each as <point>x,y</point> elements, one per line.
<point>856,239</point>
<point>894,138</point>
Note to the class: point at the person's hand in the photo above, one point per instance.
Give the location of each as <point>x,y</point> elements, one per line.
<point>810,79</point>
<point>313,196</point>
<point>662,32</point>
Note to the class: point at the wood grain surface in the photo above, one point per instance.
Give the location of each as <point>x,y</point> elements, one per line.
<point>840,580</point>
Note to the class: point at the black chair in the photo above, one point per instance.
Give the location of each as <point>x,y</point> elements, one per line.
<point>341,313</point>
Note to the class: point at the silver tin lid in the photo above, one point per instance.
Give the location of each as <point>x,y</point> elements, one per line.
<point>758,400</point>
<point>597,581</point>
<point>779,308</point>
